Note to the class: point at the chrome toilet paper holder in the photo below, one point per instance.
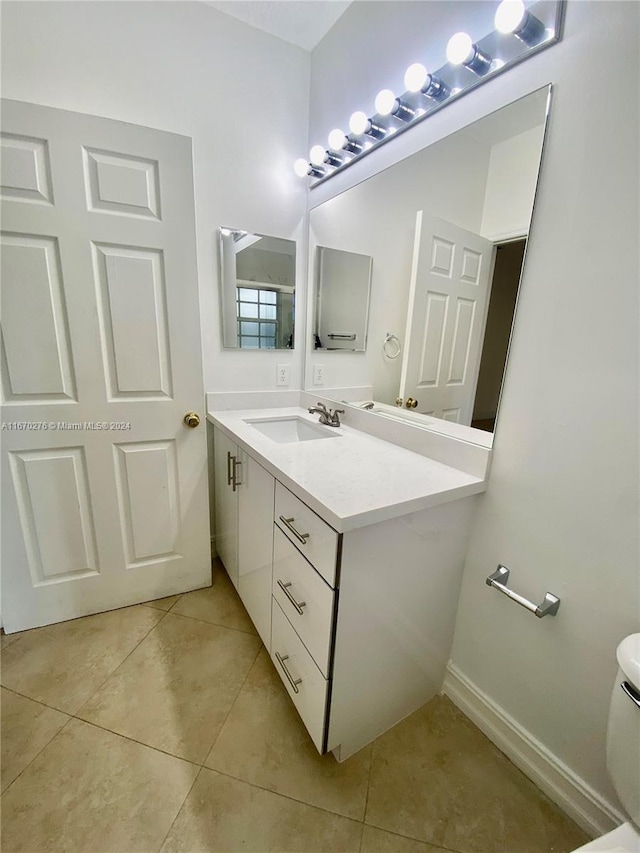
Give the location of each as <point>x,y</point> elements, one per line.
<point>498,580</point>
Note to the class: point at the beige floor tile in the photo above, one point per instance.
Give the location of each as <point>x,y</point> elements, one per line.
<point>223,814</point>
<point>8,639</point>
<point>176,689</point>
<point>163,603</point>
<point>91,791</point>
<point>264,742</point>
<point>435,777</point>
<point>219,604</point>
<point>63,665</point>
<point>379,841</point>
<point>27,727</point>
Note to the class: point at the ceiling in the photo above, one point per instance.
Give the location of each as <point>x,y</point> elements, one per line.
<point>301,22</point>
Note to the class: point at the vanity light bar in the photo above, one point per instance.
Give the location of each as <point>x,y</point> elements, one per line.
<point>519,33</point>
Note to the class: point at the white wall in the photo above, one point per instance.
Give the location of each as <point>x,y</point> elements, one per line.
<point>511,185</point>
<point>561,509</point>
<point>241,94</point>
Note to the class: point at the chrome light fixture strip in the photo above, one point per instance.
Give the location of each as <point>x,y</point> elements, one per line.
<point>505,50</point>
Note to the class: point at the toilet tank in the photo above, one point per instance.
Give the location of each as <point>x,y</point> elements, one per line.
<point>623,734</point>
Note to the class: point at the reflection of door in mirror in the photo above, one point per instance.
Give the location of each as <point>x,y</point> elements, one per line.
<point>448,296</point>
<point>257,287</point>
<point>461,305</point>
<point>342,309</point>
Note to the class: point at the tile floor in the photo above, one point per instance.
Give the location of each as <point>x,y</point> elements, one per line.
<point>164,727</point>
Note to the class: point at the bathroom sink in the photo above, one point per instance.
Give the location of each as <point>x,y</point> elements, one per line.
<point>291,428</point>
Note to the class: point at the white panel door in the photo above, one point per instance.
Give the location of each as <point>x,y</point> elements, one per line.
<point>448,301</point>
<point>104,492</point>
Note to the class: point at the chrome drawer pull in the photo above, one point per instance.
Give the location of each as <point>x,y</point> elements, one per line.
<point>297,604</point>
<point>301,537</point>
<point>290,679</point>
<point>631,692</point>
<point>229,475</point>
<point>236,482</point>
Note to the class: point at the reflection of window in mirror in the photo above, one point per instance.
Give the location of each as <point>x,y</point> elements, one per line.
<point>257,289</point>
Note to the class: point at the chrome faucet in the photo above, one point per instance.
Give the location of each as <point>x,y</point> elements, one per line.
<point>329,417</point>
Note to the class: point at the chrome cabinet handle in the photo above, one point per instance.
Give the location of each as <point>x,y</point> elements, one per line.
<point>229,474</point>
<point>498,580</point>
<point>297,604</point>
<point>293,682</point>
<point>288,523</point>
<point>631,692</point>
<point>236,482</point>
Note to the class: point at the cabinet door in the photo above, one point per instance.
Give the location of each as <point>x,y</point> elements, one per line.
<point>226,504</point>
<point>255,542</point>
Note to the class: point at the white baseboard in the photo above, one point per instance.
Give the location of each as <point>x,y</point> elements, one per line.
<point>574,796</point>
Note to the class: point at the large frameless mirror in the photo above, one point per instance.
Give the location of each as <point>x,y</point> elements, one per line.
<point>257,290</point>
<point>446,229</point>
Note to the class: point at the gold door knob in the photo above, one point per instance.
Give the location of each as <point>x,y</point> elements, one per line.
<point>399,401</point>
<point>411,403</point>
<point>191,419</point>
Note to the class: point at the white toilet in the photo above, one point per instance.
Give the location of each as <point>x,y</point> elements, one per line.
<point>623,750</point>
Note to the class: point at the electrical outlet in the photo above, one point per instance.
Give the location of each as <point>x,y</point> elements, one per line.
<point>282,376</point>
<point>318,374</point>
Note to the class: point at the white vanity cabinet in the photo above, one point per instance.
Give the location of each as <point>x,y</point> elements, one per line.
<point>358,620</point>
<point>363,622</point>
<point>304,600</point>
<point>244,494</point>
<point>225,454</point>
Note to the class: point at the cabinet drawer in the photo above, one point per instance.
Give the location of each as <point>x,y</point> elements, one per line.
<point>316,539</point>
<point>295,582</point>
<point>290,656</point>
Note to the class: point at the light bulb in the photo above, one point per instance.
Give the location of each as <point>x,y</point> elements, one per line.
<point>415,77</point>
<point>418,79</point>
<point>336,139</point>
<point>226,232</point>
<point>388,104</point>
<point>460,49</point>
<point>358,123</point>
<point>385,102</point>
<point>512,17</point>
<point>509,15</point>
<point>318,155</point>
<point>301,168</point>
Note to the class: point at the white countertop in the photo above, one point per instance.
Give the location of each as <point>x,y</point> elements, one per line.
<point>351,480</point>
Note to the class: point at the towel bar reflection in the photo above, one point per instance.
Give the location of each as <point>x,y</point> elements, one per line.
<point>395,349</point>
<point>498,580</point>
